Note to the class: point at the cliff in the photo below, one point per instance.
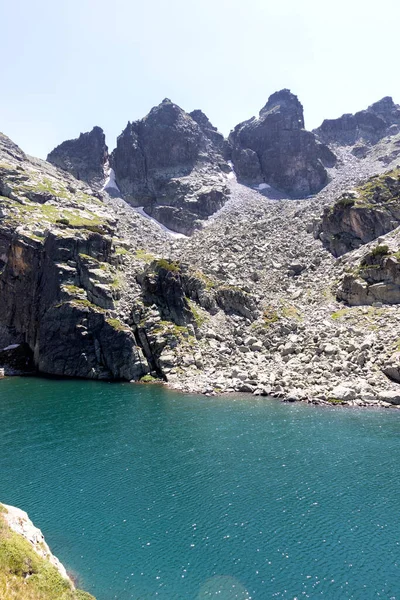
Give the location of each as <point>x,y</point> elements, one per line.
<point>93,286</point>
<point>277,150</point>
<point>28,569</point>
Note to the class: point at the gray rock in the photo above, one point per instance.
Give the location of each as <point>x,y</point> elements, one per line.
<point>171,165</point>
<point>276,149</point>
<point>368,125</point>
<point>83,157</point>
<point>391,397</point>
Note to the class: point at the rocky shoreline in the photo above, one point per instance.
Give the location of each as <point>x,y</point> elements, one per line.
<point>268,295</point>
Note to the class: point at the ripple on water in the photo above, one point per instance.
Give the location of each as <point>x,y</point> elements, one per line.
<point>150,494</point>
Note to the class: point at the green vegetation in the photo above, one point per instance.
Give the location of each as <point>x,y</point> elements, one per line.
<point>380,250</point>
<point>121,251</point>
<point>28,213</point>
<point>166,327</point>
<point>73,289</point>
<point>340,313</point>
<point>291,312</point>
<point>24,575</point>
<point>270,315</point>
<point>208,282</point>
<point>117,325</point>
<point>200,316</point>
<point>168,265</point>
<point>380,189</point>
<point>80,302</point>
<point>334,401</point>
<point>345,201</point>
<point>145,256</point>
<point>148,379</point>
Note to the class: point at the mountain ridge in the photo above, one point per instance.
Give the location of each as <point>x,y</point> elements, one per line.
<point>249,301</point>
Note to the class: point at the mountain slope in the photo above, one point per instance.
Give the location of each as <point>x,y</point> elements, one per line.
<point>248,302</point>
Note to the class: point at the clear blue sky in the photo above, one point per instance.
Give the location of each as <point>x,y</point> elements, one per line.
<point>68,65</point>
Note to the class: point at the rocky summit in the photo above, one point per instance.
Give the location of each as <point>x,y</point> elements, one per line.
<point>276,149</point>
<point>172,164</point>
<point>363,129</point>
<point>83,157</point>
<point>260,293</point>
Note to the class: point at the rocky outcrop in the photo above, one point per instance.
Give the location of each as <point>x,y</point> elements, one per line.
<point>24,554</point>
<point>171,165</point>
<point>361,215</point>
<point>218,141</point>
<point>83,157</point>
<point>364,127</point>
<point>376,279</point>
<point>277,150</point>
<point>45,290</point>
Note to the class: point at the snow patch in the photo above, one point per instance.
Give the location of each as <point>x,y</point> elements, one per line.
<point>175,234</point>
<point>110,181</point>
<point>11,347</point>
<point>263,186</point>
<point>232,174</point>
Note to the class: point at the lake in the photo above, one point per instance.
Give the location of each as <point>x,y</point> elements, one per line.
<point>145,493</point>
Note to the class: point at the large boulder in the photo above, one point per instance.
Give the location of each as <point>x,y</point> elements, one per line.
<point>83,157</point>
<point>366,126</point>
<point>276,149</point>
<point>172,166</point>
<point>361,215</point>
<point>375,279</point>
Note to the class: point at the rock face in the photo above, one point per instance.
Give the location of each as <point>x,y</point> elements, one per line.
<point>172,166</point>
<point>361,215</point>
<point>28,567</point>
<point>277,150</point>
<point>217,139</point>
<point>249,302</point>
<point>366,126</point>
<point>58,277</point>
<point>45,290</point>
<point>376,280</point>
<point>83,157</point>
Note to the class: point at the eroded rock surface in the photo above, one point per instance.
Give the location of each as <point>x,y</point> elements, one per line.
<point>276,149</point>
<point>83,157</point>
<point>361,215</point>
<point>365,127</point>
<point>172,166</point>
<point>247,303</point>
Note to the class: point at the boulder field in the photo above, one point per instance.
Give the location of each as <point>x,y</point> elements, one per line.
<point>195,260</point>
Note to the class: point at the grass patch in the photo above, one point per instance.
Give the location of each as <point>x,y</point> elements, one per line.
<point>270,315</point>
<point>117,325</point>
<point>148,379</point>
<point>291,312</point>
<point>168,265</point>
<point>335,400</point>
<point>208,282</point>
<point>144,255</point>
<point>345,201</point>
<point>121,251</point>
<point>380,250</point>
<point>340,313</point>
<point>74,289</point>
<point>200,317</point>
<point>24,575</point>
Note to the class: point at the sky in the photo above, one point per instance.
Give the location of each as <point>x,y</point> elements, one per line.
<point>68,65</point>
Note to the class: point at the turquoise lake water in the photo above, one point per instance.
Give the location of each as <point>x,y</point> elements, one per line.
<point>148,494</point>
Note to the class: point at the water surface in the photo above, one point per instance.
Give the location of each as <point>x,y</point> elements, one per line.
<point>145,493</point>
